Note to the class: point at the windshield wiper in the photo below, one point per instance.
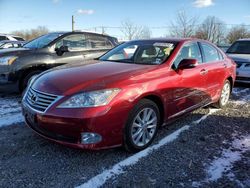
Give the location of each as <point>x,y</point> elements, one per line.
<point>120,60</point>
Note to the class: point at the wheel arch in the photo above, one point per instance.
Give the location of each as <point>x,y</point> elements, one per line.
<point>25,71</point>
<point>159,102</point>
<point>230,79</point>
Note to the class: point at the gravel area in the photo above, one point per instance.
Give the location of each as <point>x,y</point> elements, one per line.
<point>213,152</point>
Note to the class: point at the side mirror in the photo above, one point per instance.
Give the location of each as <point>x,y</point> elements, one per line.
<point>187,63</point>
<point>60,51</point>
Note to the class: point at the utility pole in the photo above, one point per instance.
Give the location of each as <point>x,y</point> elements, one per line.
<point>103,29</point>
<point>73,22</point>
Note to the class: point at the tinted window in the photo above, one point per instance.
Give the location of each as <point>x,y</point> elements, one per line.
<point>240,47</point>
<point>18,38</point>
<point>99,42</point>
<point>42,41</point>
<point>210,53</point>
<point>3,38</point>
<point>74,42</point>
<point>188,51</point>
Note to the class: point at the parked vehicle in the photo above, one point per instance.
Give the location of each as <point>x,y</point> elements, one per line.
<point>17,66</point>
<point>11,44</point>
<point>122,100</point>
<point>224,47</point>
<point>240,53</point>
<point>10,37</point>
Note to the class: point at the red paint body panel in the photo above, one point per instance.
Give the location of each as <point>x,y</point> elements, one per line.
<point>179,91</point>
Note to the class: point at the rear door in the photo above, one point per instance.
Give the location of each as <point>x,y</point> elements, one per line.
<point>214,65</point>
<point>189,89</point>
<point>98,45</point>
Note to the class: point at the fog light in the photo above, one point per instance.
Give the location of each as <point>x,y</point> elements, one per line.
<point>90,138</point>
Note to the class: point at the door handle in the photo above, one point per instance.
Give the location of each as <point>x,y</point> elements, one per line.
<point>203,71</point>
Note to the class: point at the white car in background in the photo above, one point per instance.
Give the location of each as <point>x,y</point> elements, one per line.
<point>239,51</point>
<point>10,37</point>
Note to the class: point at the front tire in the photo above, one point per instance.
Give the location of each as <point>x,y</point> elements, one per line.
<point>224,96</point>
<point>141,126</point>
<point>27,78</point>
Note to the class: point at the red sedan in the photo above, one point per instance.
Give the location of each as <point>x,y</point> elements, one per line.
<point>123,97</point>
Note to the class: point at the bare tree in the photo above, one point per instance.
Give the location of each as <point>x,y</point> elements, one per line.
<point>32,33</point>
<point>132,31</point>
<point>236,33</point>
<point>144,33</point>
<point>212,29</point>
<point>183,26</point>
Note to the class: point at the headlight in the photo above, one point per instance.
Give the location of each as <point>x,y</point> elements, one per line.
<point>90,99</point>
<point>8,60</point>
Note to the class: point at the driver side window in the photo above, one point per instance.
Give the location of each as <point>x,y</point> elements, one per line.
<point>76,42</point>
<point>188,51</point>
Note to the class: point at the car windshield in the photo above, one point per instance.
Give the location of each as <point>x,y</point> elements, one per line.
<point>140,52</point>
<point>240,47</point>
<point>42,41</point>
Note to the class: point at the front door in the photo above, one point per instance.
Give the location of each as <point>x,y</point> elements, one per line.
<point>77,47</point>
<point>189,89</point>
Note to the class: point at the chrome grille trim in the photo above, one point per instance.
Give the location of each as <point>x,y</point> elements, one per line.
<point>39,101</point>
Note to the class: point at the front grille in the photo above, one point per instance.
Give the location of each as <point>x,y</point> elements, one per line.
<point>38,100</point>
<point>243,78</point>
<point>239,63</point>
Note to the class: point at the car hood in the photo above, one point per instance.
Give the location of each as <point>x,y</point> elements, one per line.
<point>14,51</point>
<point>240,57</point>
<point>93,75</point>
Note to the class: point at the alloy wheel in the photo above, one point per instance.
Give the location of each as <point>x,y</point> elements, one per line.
<point>225,93</point>
<point>144,127</point>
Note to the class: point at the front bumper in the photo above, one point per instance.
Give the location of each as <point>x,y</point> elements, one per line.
<point>65,126</point>
<point>243,75</point>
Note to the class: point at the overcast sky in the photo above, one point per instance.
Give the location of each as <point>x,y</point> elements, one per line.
<point>56,14</point>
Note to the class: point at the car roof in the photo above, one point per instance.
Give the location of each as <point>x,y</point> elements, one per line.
<point>13,41</point>
<point>172,39</point>
<point>78,32</point>
<point>9,35</point>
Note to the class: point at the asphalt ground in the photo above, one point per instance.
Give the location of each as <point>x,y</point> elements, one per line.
<point>207,148</point>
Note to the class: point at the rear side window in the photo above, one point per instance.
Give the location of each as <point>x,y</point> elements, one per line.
<point>98,42</point>
<point>3,38</point>
<point>18,38</point>
<point>75,42</point>
<point>188,51</point>
<point>210,53</point>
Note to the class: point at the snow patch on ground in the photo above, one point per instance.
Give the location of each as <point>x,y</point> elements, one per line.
<point>117,169</point>
<point>11,119</point>
<point>222,165</point>
<point>10,111</point>
<point>239,91</point>
<point>211,111</point>
<point>229,156</point>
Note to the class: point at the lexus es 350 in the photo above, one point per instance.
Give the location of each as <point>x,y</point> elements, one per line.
<point>123,97</point>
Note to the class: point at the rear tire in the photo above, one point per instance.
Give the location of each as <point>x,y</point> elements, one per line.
<point>224,96</point>
<point>24,82</point>
<point>141,126</point>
